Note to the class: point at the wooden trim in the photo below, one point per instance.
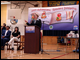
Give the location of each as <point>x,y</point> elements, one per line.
<point>44,3</point>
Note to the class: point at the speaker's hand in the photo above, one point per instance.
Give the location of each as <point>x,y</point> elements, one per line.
<point>25,21</point>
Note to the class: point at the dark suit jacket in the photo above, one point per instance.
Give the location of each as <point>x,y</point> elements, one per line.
<point>38,23</point>
<point>7,35</point>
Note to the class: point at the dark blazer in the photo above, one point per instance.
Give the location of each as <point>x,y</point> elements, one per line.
<point>7,35</point>
<point>38,23</point>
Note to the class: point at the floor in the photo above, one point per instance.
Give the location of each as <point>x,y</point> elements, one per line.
<point>50,52</point>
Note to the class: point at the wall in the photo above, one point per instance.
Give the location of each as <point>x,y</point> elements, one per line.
<point>44,3</point>
<point>3,13</point>
<point>24,16</point>
<point>50,39</point>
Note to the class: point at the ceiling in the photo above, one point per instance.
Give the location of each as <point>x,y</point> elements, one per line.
<point>23,2</point>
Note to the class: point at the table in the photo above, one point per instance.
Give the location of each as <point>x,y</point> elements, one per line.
<point>71,42</point>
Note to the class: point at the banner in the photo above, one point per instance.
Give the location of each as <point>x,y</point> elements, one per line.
<point>60,3</point>
<point>54,3</point>
<point>69,3</point>
<point>57,18</point>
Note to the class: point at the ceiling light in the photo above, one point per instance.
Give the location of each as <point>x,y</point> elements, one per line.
<point>5,2</point>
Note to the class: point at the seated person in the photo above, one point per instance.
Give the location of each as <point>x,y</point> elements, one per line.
<point>15,37</point>
<point>5,36</point>
<point>3,27</point>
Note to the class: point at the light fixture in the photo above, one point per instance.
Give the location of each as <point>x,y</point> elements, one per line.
<point>5,2</point>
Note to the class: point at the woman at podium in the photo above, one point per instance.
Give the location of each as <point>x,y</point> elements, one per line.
<point>37,22</point>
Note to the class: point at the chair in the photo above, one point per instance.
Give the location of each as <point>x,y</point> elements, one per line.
<point>17,44</point>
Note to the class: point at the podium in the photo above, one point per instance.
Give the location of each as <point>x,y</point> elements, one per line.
<point>32,36</point>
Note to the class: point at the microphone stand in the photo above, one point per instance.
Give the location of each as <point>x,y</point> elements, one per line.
<point>42,40</point>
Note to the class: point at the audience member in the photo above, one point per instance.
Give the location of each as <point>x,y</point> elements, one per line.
<point>5,36</point>
<point>15,37</point>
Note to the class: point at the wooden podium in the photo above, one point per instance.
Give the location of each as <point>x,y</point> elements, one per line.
<point>31,43</point>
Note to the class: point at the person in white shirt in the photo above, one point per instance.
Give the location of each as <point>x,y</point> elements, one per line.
<point>5,37</point>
